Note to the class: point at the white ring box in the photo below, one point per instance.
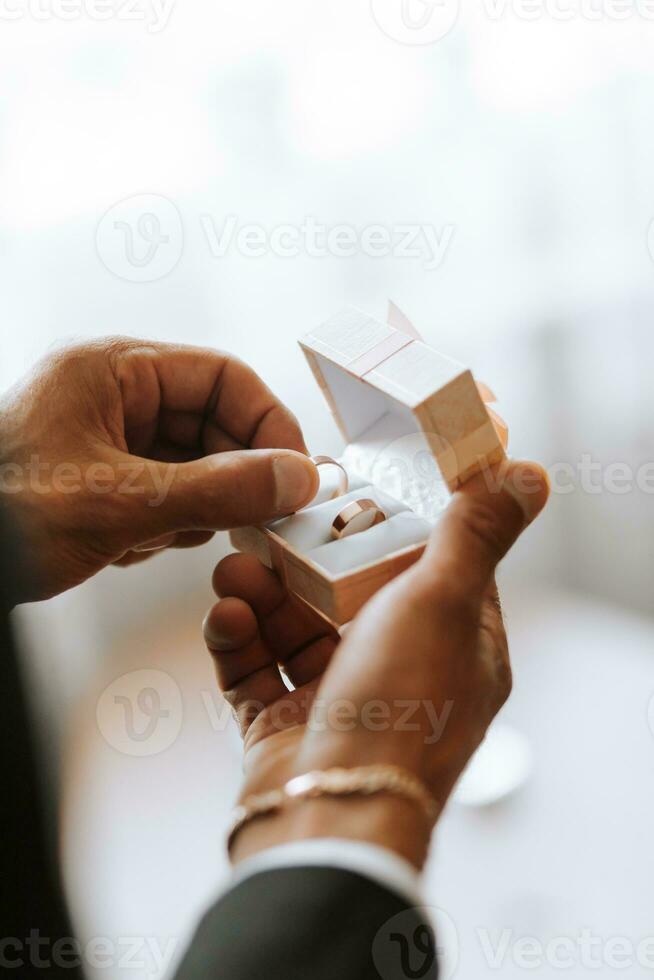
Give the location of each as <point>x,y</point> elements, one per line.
<point>415,427</point>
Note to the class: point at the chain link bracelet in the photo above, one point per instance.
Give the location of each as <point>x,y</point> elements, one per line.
<point>361,781</point>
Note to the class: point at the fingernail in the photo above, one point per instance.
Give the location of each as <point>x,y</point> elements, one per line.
<point>529,485</point>
<point>295,482</point>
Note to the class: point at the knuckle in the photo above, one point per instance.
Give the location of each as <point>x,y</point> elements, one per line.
<point>193,498</point>
<point>239,484</point>
<point>480,520</point>
<point>61,360</point>
<point>293,420</point>
<point>84,350</point>
<point>504,682</point>
<point>496,671</point>
<point>503,675</point>
<point>287,423</point>
<point>247,490</point>
<point>219,494</point>
<point>80,366</point>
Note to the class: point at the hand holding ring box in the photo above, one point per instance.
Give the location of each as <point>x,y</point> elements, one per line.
<point>416,427</point>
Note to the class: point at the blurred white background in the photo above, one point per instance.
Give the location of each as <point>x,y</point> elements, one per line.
<point>525,144</point>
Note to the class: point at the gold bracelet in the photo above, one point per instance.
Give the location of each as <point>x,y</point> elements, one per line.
<point>364,781</point>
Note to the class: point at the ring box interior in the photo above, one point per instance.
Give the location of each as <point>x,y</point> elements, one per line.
<point>415,428</point>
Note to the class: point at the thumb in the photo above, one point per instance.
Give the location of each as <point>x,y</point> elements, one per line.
<point>222,491</point>
<point>483,521</point>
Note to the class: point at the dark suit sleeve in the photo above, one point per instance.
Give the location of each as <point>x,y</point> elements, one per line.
<point>311,923</point>
<point>35,934</point>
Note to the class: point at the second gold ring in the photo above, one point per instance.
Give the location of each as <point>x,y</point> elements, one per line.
<point>358,516</point>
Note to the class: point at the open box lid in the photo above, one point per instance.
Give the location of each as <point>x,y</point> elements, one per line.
<point>414,420</point>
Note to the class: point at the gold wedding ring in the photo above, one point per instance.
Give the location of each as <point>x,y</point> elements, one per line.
<point>358,516</point>
<point>343,479</point>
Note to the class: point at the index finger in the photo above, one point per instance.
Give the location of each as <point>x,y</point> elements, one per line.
<point>206,389</point>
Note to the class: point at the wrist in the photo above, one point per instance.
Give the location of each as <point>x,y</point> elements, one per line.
<point>387,821</point>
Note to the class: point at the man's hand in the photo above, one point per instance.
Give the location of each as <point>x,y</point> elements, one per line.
<point>114,449</point>
<point>415,682</point>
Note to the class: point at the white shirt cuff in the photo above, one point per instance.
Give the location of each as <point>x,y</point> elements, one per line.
<point>380,865</point>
